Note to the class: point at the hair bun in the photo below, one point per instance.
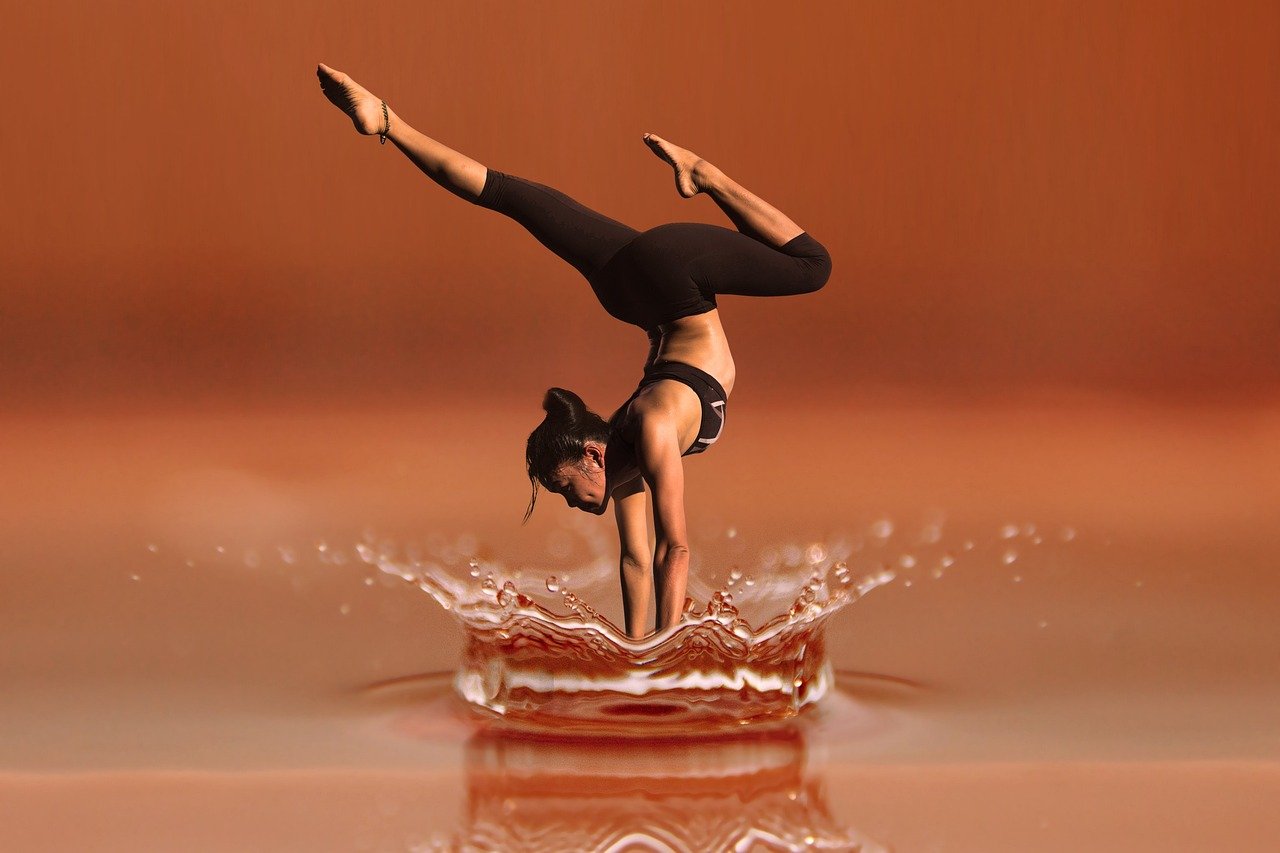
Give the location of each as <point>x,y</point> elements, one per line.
<point>562,404</point>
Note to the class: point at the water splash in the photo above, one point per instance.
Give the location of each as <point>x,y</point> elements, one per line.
<point>538,660</point>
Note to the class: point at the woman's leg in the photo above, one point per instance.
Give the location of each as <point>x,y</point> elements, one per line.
<point>751,214</point>
<point>782,259</point>
<point>582,237</point>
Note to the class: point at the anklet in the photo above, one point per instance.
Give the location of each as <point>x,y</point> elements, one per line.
<point>382,137</point>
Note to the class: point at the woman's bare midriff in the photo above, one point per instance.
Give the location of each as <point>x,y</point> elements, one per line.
<point>700,341</point>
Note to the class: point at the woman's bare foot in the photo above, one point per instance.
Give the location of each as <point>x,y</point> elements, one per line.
<point>362,107</point>
<point>693,174</point>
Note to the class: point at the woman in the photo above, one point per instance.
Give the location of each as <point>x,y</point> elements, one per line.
<point>664,280</point>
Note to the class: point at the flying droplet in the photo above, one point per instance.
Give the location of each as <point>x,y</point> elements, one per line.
<point>553,584</point>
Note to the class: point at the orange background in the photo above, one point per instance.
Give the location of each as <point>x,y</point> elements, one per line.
<point>1017,197</point>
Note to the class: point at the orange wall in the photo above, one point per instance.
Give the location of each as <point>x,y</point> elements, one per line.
<point>1015,195</point>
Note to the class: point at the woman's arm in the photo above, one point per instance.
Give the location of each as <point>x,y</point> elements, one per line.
<point>635,565</point>
<point>658,453</point>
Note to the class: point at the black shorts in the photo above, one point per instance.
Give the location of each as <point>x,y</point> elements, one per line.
<point>671,271</point>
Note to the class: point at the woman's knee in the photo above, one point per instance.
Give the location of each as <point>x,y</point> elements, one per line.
<point>817,270</point>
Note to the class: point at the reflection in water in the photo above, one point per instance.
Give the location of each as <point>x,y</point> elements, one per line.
<point>736,793</point>
<point>753,789</point>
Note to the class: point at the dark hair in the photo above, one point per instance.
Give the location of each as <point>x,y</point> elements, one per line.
<point>560,438</point>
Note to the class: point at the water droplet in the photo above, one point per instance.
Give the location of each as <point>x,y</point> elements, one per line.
<point>732,533</point>
<point>1028,530</point>
<point>366,553</point>
<point>947,561</point>
<point>1067,534</point>
<point>931,535</point>
<point>816,553</point>
<point>1043,623</point>
<point>344,609</point>
<point>968,545</point>
<point>153,547</point>
<point>135,577</point>
<point>907,582</point>
<point>191,564</point>
<point>1037,539</point>
<point>1009,556</point>
<point>735,574</point>
<point>1017,578</point>
<point>553,584</point>
<point>937,573</point>
<point>368,581</point>
<point>750,581</point>
<point>1008,531</point>
<point>287,555</point>
<point>1138,583</point>
<point>907,561</point>
<point>882,529</point>
<point>322,546</point>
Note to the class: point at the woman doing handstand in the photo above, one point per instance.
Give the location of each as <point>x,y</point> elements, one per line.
<point>664,280</point>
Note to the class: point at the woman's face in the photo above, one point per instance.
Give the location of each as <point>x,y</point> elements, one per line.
<point>582,483</point>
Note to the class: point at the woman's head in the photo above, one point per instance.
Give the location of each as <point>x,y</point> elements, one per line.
<point>565,454</point>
